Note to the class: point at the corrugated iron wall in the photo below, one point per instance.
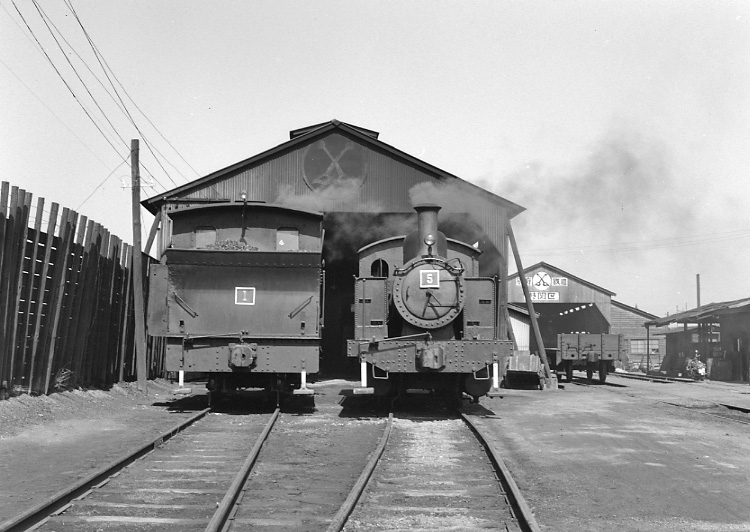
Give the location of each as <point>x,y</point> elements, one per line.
<point>389,185</point>
<point>316,175</point>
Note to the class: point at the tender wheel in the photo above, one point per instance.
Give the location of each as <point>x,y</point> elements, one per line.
<point>569,370</point>
<point>603,369</point>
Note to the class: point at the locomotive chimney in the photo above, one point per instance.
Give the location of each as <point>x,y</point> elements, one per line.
<point>427,225</point>
<point>426,239</point>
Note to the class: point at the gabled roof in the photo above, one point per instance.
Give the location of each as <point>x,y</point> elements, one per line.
<point>634,310</point>
<point>305,130</point>
<point>303,135</point>
<point>544,265</point>
<point>704,313</point>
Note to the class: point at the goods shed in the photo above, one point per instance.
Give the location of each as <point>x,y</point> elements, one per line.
<point>367,190</point>
<point>719,332</point>
<point>567,303</point>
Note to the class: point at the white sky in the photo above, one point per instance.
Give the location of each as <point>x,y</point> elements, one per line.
<point>622,127</point>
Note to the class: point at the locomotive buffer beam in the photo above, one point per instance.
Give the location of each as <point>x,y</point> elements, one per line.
<point>374,346</point>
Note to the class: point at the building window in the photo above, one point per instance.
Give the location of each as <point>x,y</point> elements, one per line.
<point>379,268</point>
<point>638,347</point>
<point>205,237</point>
<point>287,239</point>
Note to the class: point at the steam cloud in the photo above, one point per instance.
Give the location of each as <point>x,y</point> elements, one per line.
<point>622,193</point>
<point>323,200</point>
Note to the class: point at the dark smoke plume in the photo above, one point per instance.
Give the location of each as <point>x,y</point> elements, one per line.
<point>623,192</point>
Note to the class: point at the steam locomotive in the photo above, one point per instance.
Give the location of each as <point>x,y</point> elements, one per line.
<point>238,296</point>
<point>424,319</point>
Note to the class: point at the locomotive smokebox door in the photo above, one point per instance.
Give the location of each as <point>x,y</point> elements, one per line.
<point>432,357</point>
<point>242,355</point>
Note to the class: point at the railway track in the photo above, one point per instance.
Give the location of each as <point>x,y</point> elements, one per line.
<point>436,473</point>
<point>62,500</point>
<point>177,484</point>
<point>326,471</point>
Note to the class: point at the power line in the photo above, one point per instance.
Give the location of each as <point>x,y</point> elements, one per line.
<point>121,106</point>
<point>49,23</point>
<point>105,67</point>
<point>62,78</point>
<point>100,185</point>
<point>54,114</point>
<point>44,18</point>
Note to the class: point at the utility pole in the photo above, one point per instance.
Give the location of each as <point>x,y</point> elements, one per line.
<point>140,325</point>
<point>698,287</point>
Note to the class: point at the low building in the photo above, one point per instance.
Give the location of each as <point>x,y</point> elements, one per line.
<point>718,332</point>
<point>647,347</point>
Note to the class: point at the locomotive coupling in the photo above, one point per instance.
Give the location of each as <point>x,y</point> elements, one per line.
<point>242,355</point>
<point>431,357</point>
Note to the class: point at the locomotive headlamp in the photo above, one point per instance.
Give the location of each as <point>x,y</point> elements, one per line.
<point>429,240</point>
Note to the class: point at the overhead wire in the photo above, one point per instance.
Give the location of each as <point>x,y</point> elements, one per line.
<point>47,22</point>
<point>107,70</point>
<point>62,78</point>
<point>34,94</point>
<point>110,75</point>
<point>105,67</point>
<point>44,18</point>
<point>122,106</point>
<point>100,185</point>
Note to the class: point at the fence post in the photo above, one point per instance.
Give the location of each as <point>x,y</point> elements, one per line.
<point>49,241</point>
<point>28,295</point>
<point>67,230</point>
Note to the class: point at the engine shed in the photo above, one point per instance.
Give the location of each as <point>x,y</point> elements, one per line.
<point>366,190</point>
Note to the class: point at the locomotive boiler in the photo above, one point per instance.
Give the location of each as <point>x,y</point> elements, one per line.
<point>237,295</point>
<point>424,318</point>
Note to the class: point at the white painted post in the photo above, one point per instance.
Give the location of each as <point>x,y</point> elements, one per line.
<point>303,381</point>
<point>363,373</point>
<point>495,375</point>
<point>181,378</point>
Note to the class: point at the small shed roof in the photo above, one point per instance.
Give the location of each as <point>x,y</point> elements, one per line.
<point>555,269</point>
<point>704,313</point>
<point>634,310</point>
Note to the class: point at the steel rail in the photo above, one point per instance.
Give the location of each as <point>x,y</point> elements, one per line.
<point>226,508</point>
<point>339,520</point>
<point>652,378</point>
<point>42,511</point>
<point>524,515</point>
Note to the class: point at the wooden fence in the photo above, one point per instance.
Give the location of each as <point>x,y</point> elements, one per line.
<point>66,300</point>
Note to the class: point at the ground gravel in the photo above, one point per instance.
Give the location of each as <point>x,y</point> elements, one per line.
<point>49,442</point>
